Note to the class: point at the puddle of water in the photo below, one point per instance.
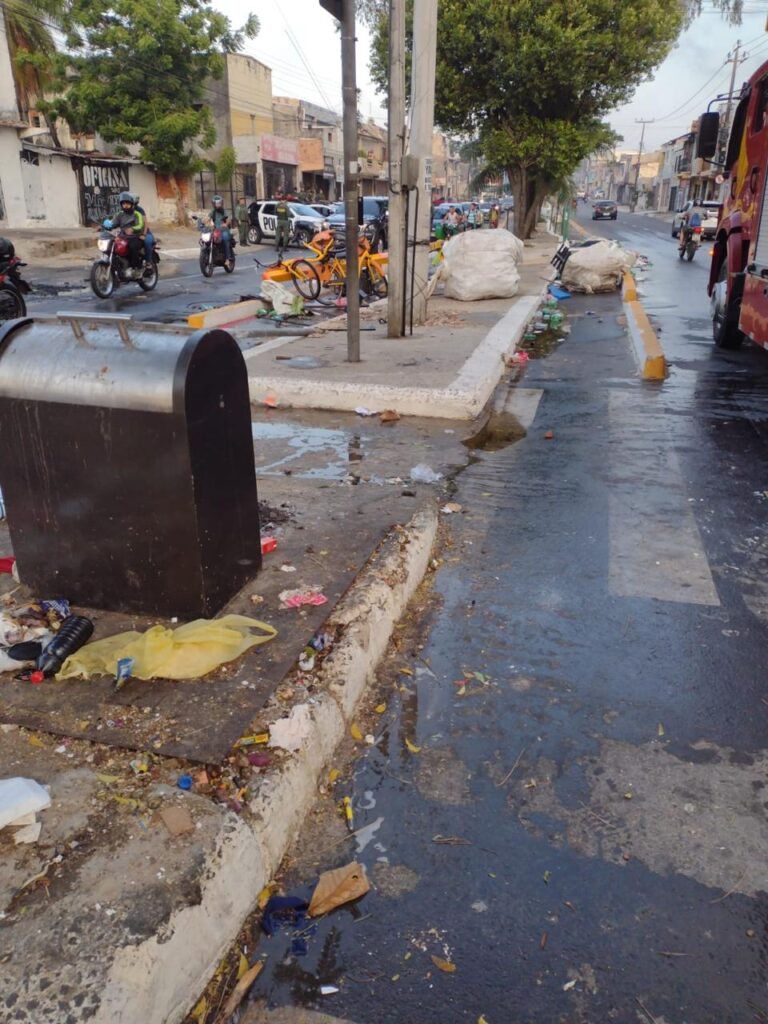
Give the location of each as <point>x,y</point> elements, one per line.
<point>500,430</point>
<point>339,447</point>
<point>543,344</point>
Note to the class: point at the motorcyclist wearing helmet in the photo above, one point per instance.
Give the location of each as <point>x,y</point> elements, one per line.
<point>130,224</point>
<point>219,218</point>
<point>149,238</point>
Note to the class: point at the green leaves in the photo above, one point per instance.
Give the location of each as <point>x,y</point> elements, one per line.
<point>136,72</point>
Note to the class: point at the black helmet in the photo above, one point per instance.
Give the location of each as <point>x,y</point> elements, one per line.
<point>126,197</point>
<point>7,251</point>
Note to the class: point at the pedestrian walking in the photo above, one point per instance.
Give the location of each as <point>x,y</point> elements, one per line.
<point>241,215</point>
<point>479,218</point>
<point>494,216</point>
<point>283,214</point>
<point>472,217</point>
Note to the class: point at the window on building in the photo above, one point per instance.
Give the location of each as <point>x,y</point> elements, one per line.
<point>330,136</point>
<point>35,119</point>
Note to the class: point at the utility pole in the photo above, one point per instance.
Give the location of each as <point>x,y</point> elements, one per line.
<point>349,95</point>
<point>422,125</point>
<point>732,58</point>
<point>396,144</point>
<point>633,202</point>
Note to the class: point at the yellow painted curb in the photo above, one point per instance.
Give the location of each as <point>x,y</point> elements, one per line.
<point>629,291</point>
<point>225,314</point>
<point>653,363</point>
<point>580,228</point>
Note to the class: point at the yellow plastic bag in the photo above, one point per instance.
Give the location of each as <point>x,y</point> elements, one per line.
<point>188,652</point>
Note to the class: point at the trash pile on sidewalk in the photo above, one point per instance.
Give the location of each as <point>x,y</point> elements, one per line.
<point>20,802</point>
<point>597,267</point>
<point>545,329</point>
<point>480,265</point>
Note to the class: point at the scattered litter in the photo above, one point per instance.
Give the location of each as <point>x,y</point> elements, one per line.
<point>349,814</point>
<point>412,746</point>
<point>424,474</point>
<point>268,545</point>
<point>28,833</point>
<point>451,840</point>
<point>559,293</point>
<point>569,985</point>
<point>177,820</point>
<point>451,508</point>
<point>546,877</point>
<point>253,739</point>
<point>271,402</point>
<point>307,660</point>
<point>240,989</point>
<point>284,910</point>
<point>337,887</point>
<point>549,436</point>
<point>443,965</point>
<point>20,797</point>
<point>362,411</point>
<point>355,733</point>
<point>184,782</point>
<point>389,416</point>
<point>517,359</point>
<point>660,730</point>
<point>259,760</point>
<point>479,906</point>
<point>290,733</point>
<point>287,568</point>
<point>188,652</point>
<point>124,672</point>
<point>328,990</point>
<point>296,598</point>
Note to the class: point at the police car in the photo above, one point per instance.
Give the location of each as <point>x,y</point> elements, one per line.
<point>305,222</point>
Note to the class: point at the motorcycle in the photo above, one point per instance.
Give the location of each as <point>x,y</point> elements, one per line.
<point>13,287</point>
<point>212,252</point>
<point>114,268</point>
<point>690,244</point>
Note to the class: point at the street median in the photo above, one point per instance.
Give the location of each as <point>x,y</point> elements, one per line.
<point>649,354</point>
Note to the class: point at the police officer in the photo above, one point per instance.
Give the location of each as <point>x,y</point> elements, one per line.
<point>283,214</point>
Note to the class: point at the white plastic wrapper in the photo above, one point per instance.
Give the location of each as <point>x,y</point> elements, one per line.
<point>596,268</point>
<point>284,300</point>
<point>481,265</point>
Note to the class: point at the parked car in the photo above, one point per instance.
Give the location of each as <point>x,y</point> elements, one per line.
<point>374,207</point>
<point>604,209</point>
<point>324,209</point>
<point>305,223</point>
<point>709,212</point>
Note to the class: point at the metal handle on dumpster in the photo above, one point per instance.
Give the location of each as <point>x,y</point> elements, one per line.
<point>119,320</point>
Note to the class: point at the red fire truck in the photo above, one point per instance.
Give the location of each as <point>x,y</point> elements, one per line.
<point>738,277</point>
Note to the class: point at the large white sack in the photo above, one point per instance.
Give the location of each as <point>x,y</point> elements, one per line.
<point>481,265</point>
<point>596,268</point>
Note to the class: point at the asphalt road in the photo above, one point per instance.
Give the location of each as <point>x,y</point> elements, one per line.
<point>567,790</point>
<point>175,297</point>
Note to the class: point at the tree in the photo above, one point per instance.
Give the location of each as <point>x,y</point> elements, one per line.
<point>135,72</point>
<point>533,79</point>
<point>29,26</point>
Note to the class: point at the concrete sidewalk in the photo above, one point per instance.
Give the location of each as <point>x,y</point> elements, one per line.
<point>447,368</point>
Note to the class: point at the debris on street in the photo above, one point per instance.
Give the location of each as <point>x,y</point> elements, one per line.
<point>337,887</point>
<point>187,652</point>
<point>292,732</point>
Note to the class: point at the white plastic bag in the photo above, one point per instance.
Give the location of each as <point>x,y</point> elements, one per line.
<point>481,265</point>
<point>284,300</point>
<point>596,268</point>
<point>20,797</point>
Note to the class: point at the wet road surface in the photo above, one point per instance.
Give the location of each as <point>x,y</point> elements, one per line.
<point>567,792</point>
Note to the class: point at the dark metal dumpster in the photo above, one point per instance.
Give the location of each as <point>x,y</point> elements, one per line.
<point>126,463</point>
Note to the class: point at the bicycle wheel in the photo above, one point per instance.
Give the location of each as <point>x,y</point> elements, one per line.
<point>333,288</point>
<point>379,285</point>
<point>305,279</point>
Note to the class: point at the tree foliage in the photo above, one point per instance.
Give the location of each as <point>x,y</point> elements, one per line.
<point>135,72</point>
<point>533,79</point>
<point>29,26</point>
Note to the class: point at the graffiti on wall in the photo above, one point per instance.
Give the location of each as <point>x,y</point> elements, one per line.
<point>100,186</point>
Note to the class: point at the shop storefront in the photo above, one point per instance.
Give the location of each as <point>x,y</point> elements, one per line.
<point>280,160</point>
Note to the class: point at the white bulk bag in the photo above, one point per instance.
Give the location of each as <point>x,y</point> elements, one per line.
<point>481,264</point>
<point>596,268</point>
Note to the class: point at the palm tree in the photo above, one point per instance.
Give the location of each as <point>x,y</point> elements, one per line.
<point>29,26</point>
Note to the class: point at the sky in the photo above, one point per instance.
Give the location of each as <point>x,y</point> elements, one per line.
<point>303,25</point>
<point>692,75</point>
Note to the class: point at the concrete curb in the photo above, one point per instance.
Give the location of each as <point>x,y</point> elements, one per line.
<point>645,342</point>
<point>159,980</point>
<point>463,399</point>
